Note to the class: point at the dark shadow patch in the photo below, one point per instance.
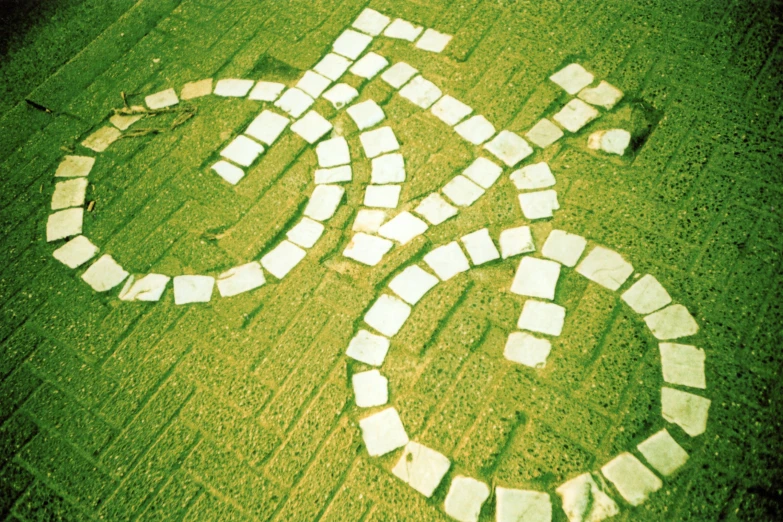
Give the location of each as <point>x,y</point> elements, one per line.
<point>270,68</point>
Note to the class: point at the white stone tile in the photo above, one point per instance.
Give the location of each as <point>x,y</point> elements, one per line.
<point>435,209</point>
<point>240,279</point>
<point>340,95</point>
<point>433,41</point>
<point>465,498</point>
<point>412,284</point>
<point>603,95</point>
<point>371,22</point>
<point>282,259</point>
<point>332,66</point>
<point>542,317</point>
<point>242,151</point>
<point>313,83</point>
<point>366,114</point>
<point>535,176</point>
<point>536,278</point>
<point>585,499</point>
<point>64,223</point>
<point>685,409</point>
<point>305,233</point>
<point>267,127</point>
<point>450,110</point>
<point>612,141</point>
<point>544,133</point>
<point>333,175</point>
<point>312,127</point>
<point>124,121</point>
<point>632,479</point>
<point>75,252</point>
<point>368,348</point>
<point>524,348</point>
<point>367,249</point>
<point>683,364</point>
<point>646,295</point>
<point>672,322</point>
<point>403,30</point>
<point>196,89</point>
<point>389,168</point>
<point>266,91</point>
<point>663,453</point>
<point>148,288</point>
<point>572,78</point>
<point>398,74</point>
<point>575,115</point>
<point>100,140</point>
<point>370,389</point>
<point>294,102</point>
<point>369,65</point>
<point>324,202</point>
<point>69,193</point>
<point>162,99</point>
<point>193,289</point>
<point>605,267</point>
<point>403,227</point>
<point>229,172</point>
<point>351,44</point>
<point>480,247</point>
<point>515,241</point>
<point>563,247</point>
<point>387,315</point>
<point>233,87</point>
<point>461,191</point>
<point>382,196</point>
<point>447,261</point>
<point>538,205</point>
<point>104,274</point>
<point>421,467</point>
<point>483,172</point>
<point>368,220</point>
<point>518,505</point>
<point>476,130</point>
<point>379,141</point>
<point>508,147</point>
<point>383,432</point>
<point>74,167</point>
<point>421,92</point>
<point>333,152</point>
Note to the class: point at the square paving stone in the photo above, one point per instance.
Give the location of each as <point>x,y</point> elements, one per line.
<point>686,410</point>
<point>646,295</point>
<point>193,289</point>
<point>480,247</point>
<point>267,127</point>
<point>387,315</point>
<point>229,172</point>
<point>367,249</point>
<point>233,87</point>
<point>332,66</point>
<point>333,175</point>
<point>527,349</point>
<point>672,322</point>
<point>632,479</point>
<point>383,432</point>
<point>100,140</point>
<point>340,95</point>
<point>75,252</point>
<point>312,127</point>
<point>536,278</point>
<point>266,91</point>
<point>450,110</point>
<point>447,261</point>
<point>683,364</point>
<point>542,317</point>
<point>412,284</point>
<point>421,467</point>
<point>305,233</point>
<point>663,453</point>
<point>398,74</point>
<point>104,274</point>
<point>605,267</point>
<point>324,202</point>
<point>564,247</point>
<point>294,102</point>
<point>515,241</point>
<point>64,223</point>
<point>148,288</point>
<point>313,83</point>
<point>333,152</point>
<point>366,114</point>
<point>69,193</point>
<point>379,141</point>
<point>403,227</point>
<point>476,130</point>
<point>483,172</point>
<point>544,133</point>
<point>123,121</point>
<point>162,99</point>
<point>371,22</point>
<point>351,44</point>
<point>382,196</point>
<point>369,65</point>
<point>575,115</point>
<point>389,168</point>
<point>368,348</point>
<point>370,389</point>
<point>461,191</point>
<point>242,151</point>
<point>402,30</point>
<point>517,505</point>
<point>196,89</point>
<point>282,259</point>
<point>603,95</point>
<point>572,78</point>
<point>435,209</point>
<point>240,279</point>
<point>368,220</point>
<point>531,177</point>
<point>74,167</point>
<point>421,92</point>
<point>465,498</point>
<point>538,205</point>
<point>433,41</point>
<point>585,499</point>
<point>508,147</point>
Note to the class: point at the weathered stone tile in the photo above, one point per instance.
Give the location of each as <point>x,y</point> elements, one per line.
<point>508,147</point>
<point>332,66</point>
<point>383,432</point>
<point>387,315</point>
<point>398,74</point>
<point>64,223</point>
<point>605,267</point>
<point>447,261</point>
<point>240,279</point>
<point>370,389</point>
<point>379,141</point>
<point>368,220</point>
<point>389,168</point>
<point>450,110</point>
<point>242,151</point>
<point>74,166</point>
<point>368,348</point>
<point>421,92</point>
<point>542,317</point>
<point>461,191</point>
<point>75,252</point>
<point>646,295</point>
<point>403,227</point>
<point>603,95</point>
<point>672,322</point>
<point>564,247</point>
<point>69,193</point>
<point>683,364</point>
<point>531,177</point>
<point>371,22</point>
<point>313,83</point>
<point>663,453</point>
<point>403,30</point>
<point>435,209</point>
<point>480,247</point>
<point>632,479</point>
<point>517,505</point>
<point>539,205</point>
<point>685,409</point>
<point>412,283</point>
<point>483,172</point>
<point>367,249</point>
<point>266,91</point>
<point>369,65</point>
<point>162,99</point>
<point>124,121</point>
<point>340,95</point>
<point>229,172</point>
<point>433,41</point>
<point>584,500</point>
<point>100,140</point>
<point>282,259</point>
<point>612,141</point>
<point>351,44</point>
<point>333,175</point>
<point>465,498</point>
<point>544,133</point>
<point>382,196</point>
<point>575,115</point>
<point>366,114</point>
<point>421,467</point>
<point>193,289</point>
<point>536,278</point>
<point>312,127</point>
<point>104,274</point>
<point>294,102</point>
<point>267,127</point>
<point>233,87</point>
<point>572,78</point>
<point>305,233</point>
<point>515,241</point>
<point>476,130</point>
<point>148,288</point>
<point>333,152</point>
<point>196,89</point>
<point>324,202</point>
<point>524,348</point>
